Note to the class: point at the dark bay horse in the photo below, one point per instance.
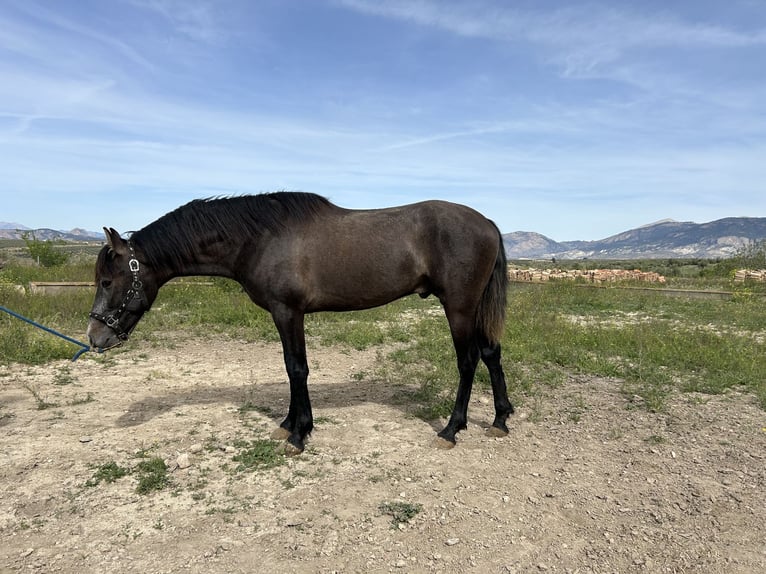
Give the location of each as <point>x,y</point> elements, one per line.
<point>297,253</point>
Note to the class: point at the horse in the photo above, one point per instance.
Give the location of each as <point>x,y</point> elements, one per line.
<point>295,253</point>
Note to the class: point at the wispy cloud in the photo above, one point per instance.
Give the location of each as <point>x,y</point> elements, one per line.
<point>200,20</point>
<point>582,24</point>
<point>581,38</point>
<point>54,47</point>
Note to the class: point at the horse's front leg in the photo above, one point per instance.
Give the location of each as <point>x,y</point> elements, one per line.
<point>299,421</point>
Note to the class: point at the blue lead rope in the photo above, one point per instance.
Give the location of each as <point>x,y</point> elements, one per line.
<point>85,348</point>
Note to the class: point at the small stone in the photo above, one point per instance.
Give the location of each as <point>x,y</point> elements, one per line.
<point>195,448</point>
<point>84,439</point>
<point>229,449</point>
<point>27,552</point>
<point>183,460</point>
<point>452,541</point>
<point>401,563</point>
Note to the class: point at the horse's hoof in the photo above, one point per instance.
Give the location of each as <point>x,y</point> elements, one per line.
<point>443,443</point>
<point>280,433</point>
<point>289,449</point>
<point>495,432</point>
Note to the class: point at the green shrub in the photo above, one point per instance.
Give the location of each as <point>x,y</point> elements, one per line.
<point>44,252</point>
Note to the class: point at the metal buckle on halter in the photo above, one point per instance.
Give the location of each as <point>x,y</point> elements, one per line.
<point>111,321</point>
<point>133,265</point>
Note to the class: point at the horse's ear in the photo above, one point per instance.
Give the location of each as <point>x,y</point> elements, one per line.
<point>117,243</point>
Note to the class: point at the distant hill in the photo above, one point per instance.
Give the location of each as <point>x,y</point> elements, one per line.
<point>667,238</point>
<point>530,245</point>
<point>4,225</point>
<point>15,231</point>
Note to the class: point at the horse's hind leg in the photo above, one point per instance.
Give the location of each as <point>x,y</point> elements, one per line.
<point>490,354</point>
<point>467,351</point>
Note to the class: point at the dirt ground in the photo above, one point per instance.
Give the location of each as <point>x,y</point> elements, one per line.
<point>587,481</point>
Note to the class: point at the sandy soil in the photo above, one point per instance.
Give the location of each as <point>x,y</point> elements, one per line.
<point>585,482</point>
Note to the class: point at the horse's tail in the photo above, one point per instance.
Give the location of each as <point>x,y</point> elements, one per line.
<point>490,316</point>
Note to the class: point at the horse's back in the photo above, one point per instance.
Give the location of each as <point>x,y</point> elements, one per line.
<point>346,259</point>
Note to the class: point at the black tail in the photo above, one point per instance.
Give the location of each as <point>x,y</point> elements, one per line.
<point>490,317</point>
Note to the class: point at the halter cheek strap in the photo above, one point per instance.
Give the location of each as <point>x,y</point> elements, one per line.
<point>135,300</point>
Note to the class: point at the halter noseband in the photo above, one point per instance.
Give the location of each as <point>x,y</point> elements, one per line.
<point>135,293</point>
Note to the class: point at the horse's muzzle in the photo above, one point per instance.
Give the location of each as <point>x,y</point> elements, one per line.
<point>101,337</point>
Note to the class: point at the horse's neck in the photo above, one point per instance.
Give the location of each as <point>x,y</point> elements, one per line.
<point>206,258</point>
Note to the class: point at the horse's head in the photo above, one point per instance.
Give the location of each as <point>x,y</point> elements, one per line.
<point>125,289</point>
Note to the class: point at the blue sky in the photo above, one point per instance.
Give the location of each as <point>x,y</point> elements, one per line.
<point>574,119</point>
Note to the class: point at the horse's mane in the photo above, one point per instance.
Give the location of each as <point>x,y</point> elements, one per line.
<point>174,236</point>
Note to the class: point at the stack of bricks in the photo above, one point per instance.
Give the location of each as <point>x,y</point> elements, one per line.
<point>590,276</point>
<point>742,275</point>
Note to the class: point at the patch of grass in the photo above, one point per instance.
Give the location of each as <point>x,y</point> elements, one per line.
<point>42,403</point>
<point>359,330</point>
<point>63,377</point>
<point>227,309</point>
<point>325,420</point>
<point>249,406</point>
<point>259,454</point>
<point>400,512</point>
<point>21,342</point>
<point>656,439</point>
<point>577,409</point>
<point>426,368</point>
<point>143,452</point>
<point>656,344</point>
<point>108,472</point>
<point>88,398</point>
<point>152,475</point>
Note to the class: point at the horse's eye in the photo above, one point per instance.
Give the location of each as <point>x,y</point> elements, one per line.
<point>106,283</point>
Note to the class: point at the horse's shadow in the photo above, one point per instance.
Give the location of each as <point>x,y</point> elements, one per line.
<point>272,400</point>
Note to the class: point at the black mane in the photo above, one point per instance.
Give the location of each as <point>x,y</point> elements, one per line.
<point>173,236</point>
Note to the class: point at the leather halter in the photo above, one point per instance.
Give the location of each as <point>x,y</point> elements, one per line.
<point>134,300</point>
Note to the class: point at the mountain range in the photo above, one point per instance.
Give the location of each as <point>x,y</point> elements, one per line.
<point>16,231</point>
<point>666,238</point>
